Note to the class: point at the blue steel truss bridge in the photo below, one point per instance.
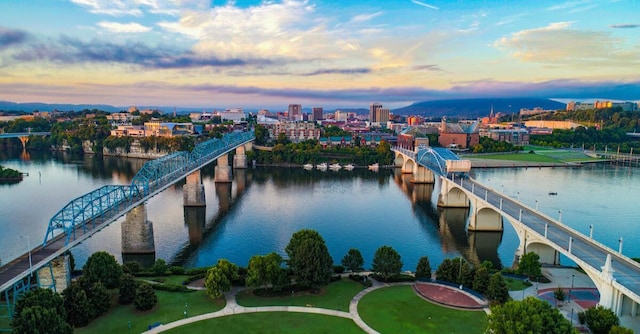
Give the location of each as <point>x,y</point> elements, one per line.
<point>84,216</point>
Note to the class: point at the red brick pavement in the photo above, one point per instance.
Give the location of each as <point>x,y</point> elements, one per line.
<point>447,295</point>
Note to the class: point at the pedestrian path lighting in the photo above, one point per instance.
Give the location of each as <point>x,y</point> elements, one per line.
<point>560,216</point>
<point>591,231</point>
<point>185,310</point>
<point>620,245</point>
<point>29,248</point>
<point>536,205</point>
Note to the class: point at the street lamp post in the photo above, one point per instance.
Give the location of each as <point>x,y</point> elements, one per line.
<point>185,310</point>
<point>30,262</point>
<point>560,216</point>
<point>536,205</point>
<point>620,245</point>
<point>591,231</point>
<point>460,273</point>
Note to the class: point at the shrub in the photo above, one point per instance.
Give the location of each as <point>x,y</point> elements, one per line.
<point>146,298</point>
<point>338,269</point>
<point>177,270</point>
<point>132,267</point>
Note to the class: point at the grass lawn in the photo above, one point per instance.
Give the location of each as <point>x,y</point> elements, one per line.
<point>514,284</point>
<point>518,157</point>
<point>335,296</point>
<point>272,322</point>
<point>170,307</point>
<point>398,309</point>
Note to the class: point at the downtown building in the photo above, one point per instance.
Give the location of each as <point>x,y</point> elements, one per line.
<point>378,115</point>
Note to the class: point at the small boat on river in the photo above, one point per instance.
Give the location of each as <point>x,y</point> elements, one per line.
<point>374,167</point>
<point>307,166</point>
<point>349,167</point>
<point>322,166</point>
<point>335,166</point>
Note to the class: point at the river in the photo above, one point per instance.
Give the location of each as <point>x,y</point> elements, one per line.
<point>362,209</point>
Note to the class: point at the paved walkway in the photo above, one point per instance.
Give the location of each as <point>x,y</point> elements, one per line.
<point>232,308</point>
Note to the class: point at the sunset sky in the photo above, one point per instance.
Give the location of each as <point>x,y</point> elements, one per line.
<point>330,53</point>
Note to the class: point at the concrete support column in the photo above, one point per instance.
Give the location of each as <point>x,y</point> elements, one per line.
<point>55,276</point>
<point>240,159</point>
<point>450,196</point>
<point>423,175</point>
<point>193,190</point>
<point>223,170</point>
<point>137,237</point>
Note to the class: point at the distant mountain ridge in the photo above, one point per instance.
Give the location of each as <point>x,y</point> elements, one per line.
<point>473,108</point>
<point>466,108</point>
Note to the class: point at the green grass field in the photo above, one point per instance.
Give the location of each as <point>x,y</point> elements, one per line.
<point>170,307</point>
<point>399,310</point>
<point>517,157</point>
<point>514,284</point>
<point>335,296</point>
<point>170,279</point>
<point>272,322</point>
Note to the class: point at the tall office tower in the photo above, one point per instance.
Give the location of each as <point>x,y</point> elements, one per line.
<point>382,115</point>
<point>373,112</point>
<point>317,113</point>
<point>294,111</point>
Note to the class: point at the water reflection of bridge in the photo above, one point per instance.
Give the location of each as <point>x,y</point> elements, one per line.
<point>475,247</point>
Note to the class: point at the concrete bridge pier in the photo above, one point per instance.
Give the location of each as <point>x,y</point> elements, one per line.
<point>137,237</point>
<point>451,196</point>
<point>423,175</point>
<point>193,190</point>
<point>55,276</point>
<point>195,219</point>
<point>223,170</point>
<point>484,217</point>
<point>240,158</point>
<point>531,243</point>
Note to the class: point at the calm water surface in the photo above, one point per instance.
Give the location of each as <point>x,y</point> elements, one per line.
<point>259,211</point>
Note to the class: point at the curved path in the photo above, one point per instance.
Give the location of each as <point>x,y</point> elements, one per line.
<point>232,308</point>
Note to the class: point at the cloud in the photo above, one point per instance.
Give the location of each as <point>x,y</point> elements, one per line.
<point>128,7</point>
<point>365,17</point>
<point>569,5</point>
<point>624,26</point>
<point>419,3</point>
<point>72,51</point>
<point>557,43</point>
<point>9,37</point>
<point>117,27</point>
<point>340,71</point>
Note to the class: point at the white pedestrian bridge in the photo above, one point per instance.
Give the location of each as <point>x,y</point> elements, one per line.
<point>616,276</point>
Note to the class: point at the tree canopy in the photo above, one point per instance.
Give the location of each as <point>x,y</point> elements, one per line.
<point>529,265</point>
<point>102,267</point>
<point>353,260</point>
<point>599,319</point>
<point>266,269</point>
<point>309,258</point>
<point>40,311</point>
<point>220,277</point>
<point>387,262</point>
<point>423,269</point>
<point>529,316</point>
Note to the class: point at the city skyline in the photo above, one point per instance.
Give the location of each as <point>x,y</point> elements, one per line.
<point>271,54</point>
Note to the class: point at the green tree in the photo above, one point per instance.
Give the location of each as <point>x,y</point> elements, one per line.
<point>76,303</point>
<point>447,271</point>
<point>529,265</point>
<point>423,269</point>
<point>600,319</point>
<point>497,290</point>
<point>40,311</point>
<point>99,298</point>
<point>353,260</point>
<point>309,258</point>
<point>620,330</point>
<point>481,280</point>
<point>266,269</point>
<point>529,316</point>
<point>387,262</point>
<point>127,291</point>
<point>102,267</point>
<point>220,277</point>
<point>146,298</point>
<point>160,267</point>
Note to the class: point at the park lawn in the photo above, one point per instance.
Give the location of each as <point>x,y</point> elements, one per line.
<point>335,296</point>
<point>398,309</point>
<point>514,284</point>
<point>271,322</point>
<point>170,307</point>
<point>518,157</point>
